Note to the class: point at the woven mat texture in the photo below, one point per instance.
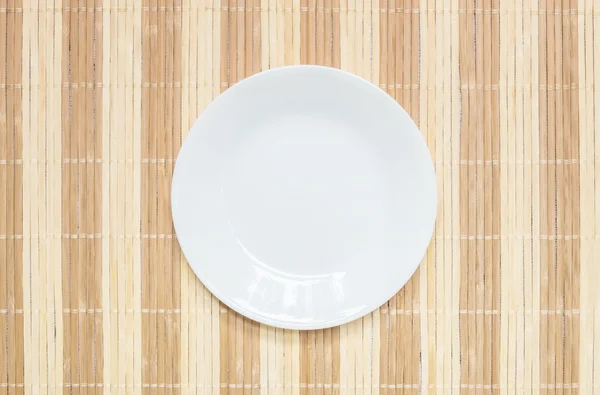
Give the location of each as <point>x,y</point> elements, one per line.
<point>96,97</point>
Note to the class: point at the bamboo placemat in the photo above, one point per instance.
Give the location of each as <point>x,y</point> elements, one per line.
<point>97,95</point>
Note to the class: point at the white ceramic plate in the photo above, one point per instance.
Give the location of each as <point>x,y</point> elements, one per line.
<point>304,197</point>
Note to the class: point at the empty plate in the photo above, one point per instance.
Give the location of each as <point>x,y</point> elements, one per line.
<point>304,197</point>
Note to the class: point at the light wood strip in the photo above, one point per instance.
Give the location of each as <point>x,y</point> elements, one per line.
<point>596,51</point>
<point>267,370</point>
<point>95,61</point>
<point>199,320</point>
<point>507,200</point>
<point>122,153</point>
<point>134,367</point>
<point>495,147</point>
<point>596,76</point>
<point>543,185</point>
<point>121,142</point>
<point>113,294</point>
<point>365,28</point>
<point>584,34</point>
<point>344,40</point>
<point>572,264</point>
<point>106,199</point>
<point>272,20</point>
<point>434,268</point>
<point>28,135</point>
<point>55,302</point>
<point>38,262</point>
<point>40,193</point>
<point>427,126</point>
<point>525,321</point>
<point>520,251</point>
<point>480,71</point>
<point>520,210</point>
<point>456,253</point>
<point>468,194</point>
<point>278,33</point>
<point>547,150</point>
<point>536,207</point>
<point>443,136</point>
<point>509,139</point>
<point>118,151</point>
<point>573,268</point>
<point>589,294</point>
<point>189,376</point>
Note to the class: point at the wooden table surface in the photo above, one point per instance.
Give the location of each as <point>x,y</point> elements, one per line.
<point>97,95</point>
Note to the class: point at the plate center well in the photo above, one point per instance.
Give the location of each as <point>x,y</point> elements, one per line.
<point>305,195</point>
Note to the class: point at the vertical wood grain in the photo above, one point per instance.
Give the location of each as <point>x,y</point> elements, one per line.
<point>41,201</point>
<point>559,196</point>
<point>240,57</point>
<point>469,206</point>
<point>160,142</point>
<point>81,196</point>
<point>12,250</point>
<point>121,194</point>
<point>480,194</point>
<point>400,332</point>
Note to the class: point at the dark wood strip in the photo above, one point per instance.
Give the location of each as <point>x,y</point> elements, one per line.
<point>240,53</point>
<point>559,196</point>
<point>11,199</point>
<point>161,139</point>
<point>400,340</point>
<point>479,192</point>
<point>491,66</point>
<point>81,196</point>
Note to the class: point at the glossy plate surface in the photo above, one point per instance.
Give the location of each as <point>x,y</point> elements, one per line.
<point>304,197</point>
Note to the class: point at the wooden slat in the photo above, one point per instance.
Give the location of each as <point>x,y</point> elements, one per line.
<point>81,196</point>
<point>12,250</point>
<point>160,258</point>
<point>41,196</point>
<point>400,333</point>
